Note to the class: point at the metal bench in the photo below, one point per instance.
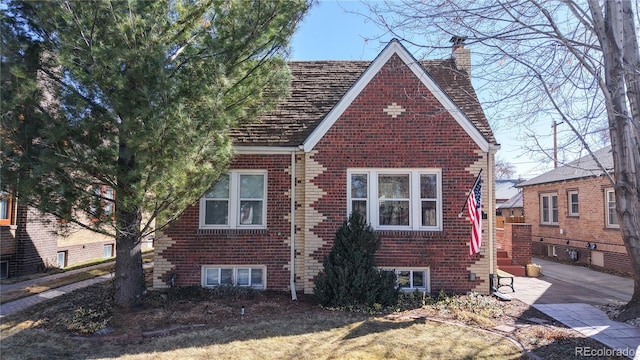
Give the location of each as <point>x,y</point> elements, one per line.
<point>504,275</point>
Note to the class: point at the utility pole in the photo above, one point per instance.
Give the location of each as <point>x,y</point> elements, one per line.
<point>555,143</point>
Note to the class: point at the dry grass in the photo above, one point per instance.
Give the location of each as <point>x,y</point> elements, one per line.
<point>332,336</point>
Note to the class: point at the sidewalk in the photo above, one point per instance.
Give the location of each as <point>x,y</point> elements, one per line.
<point>569,295</point>
<point>15,306</point>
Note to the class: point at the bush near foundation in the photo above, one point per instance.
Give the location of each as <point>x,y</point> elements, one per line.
<point>350,277</point>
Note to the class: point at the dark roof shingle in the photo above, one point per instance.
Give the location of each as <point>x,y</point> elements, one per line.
<point>317,86</point>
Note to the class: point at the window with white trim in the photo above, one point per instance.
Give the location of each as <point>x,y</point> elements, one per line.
<point>549,209</point>
<point>247,276</point>
<point>237,200</point>
<point>572,198</point>
<point>107,251</point>
<point>397,199</point>
<point>610,209</point>
<point>411,279</point>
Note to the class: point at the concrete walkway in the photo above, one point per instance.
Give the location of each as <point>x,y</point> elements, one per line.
<point>15,306</point>
<point>569,295</point>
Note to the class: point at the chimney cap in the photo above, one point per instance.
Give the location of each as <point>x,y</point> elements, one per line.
<point>458,40</point>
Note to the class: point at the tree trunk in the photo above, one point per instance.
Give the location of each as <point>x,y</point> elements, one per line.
<point>129,275</point>
<point>618,50</point>
<point>628,206</point>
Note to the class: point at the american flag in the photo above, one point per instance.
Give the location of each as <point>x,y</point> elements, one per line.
<point>475,215</point>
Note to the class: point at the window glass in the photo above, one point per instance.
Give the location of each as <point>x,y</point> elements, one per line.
<point>359,194</point>
<point>212,277</point>
<point>393,186</point>
<point>428,186</point>
<point>359,186</point>
<point>256,277</point>
<point>242,277</point>
<point>4,208</point>
<point>418,279</point>
<point>394,212</point>
<point>216,212</point>
<point>220,189</point>
<point>429,215</point>
<point>226,276</point>
<point>251,186</point>
<point>573,203</point>
<point>404,279</point>
<point>545,209</point>
<point>554,203</point>
<point>611,204</point>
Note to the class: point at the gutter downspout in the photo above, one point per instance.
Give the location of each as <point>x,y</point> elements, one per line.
<point>491,212</point>
<point>292,282</point>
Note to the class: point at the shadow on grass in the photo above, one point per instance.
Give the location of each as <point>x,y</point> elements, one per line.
<point>282,333</point>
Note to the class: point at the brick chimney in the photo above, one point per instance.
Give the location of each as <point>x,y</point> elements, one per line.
<point>460,55</point>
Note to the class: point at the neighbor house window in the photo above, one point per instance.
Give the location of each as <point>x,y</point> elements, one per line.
<point>549,209</point>
<point>107,251</point>
<point>103,203</point>
<point>610,209</point>
<point>237,200</point>
<point>5,208</point>
<point>247,276</point>
<point>398,199</point>
<point>4,269</point>
<point>62,259</point>
<point>411,279</point>
<point>572,197</point>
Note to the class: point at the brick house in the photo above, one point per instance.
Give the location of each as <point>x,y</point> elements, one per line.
<point>31,241</point>
<point>571,210</point>
<point>398,139</point>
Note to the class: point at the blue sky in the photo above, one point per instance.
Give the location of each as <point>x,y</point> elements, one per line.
<point>330,32</point>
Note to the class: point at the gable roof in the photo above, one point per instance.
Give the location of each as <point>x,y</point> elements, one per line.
<point>505,189</point>
<point>514,202</point>
<point>321,90</point>
<point>582,168</point>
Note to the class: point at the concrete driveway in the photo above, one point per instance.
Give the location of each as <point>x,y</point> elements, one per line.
<point>561,284</point>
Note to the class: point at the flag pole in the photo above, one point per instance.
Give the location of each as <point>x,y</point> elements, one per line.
<point>469,193</point>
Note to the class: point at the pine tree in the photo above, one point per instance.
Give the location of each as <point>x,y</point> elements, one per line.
<point>139,97</point>
<point>350,276</point>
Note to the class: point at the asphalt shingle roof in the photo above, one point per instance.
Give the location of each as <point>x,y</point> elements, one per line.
<point>317,86</point>
<point>577,169</point>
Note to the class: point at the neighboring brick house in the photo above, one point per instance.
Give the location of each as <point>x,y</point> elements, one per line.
<point>572,213</point>
<point>400,140</point>
<point>31,242</point>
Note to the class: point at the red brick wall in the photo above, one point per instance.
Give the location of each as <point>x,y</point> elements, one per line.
<point>195,247</point>
<point>36,242</point>
<point>424,136</point>
<point>574,232</point>
<point>520,243</point>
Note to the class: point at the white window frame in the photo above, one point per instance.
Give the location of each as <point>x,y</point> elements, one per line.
<point>550,210</point>
<point>233,215</point>
<point>570,203</point>
<point>234,275</point>
<point>427,278</point>
<point>106,247</point>
<point>61,259</point>
<point>608,194</point>
<point>415,202</point>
